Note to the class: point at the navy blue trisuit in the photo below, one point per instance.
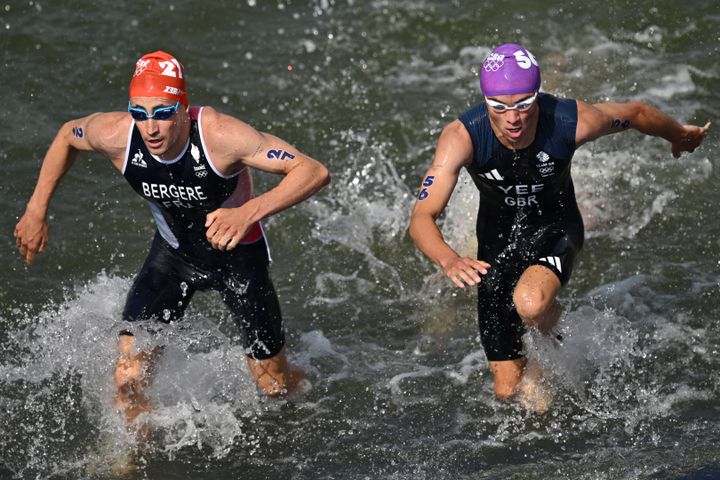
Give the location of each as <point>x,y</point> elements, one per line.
<point>528,214</point>
<point>181,261</point>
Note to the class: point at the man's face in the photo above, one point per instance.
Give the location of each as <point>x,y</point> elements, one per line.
<point>514,118</point>
<point>163,138</point>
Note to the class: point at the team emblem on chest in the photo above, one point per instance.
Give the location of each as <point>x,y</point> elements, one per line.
<point>546,167</point>
<point>199,168</point>
<point>138,160</point>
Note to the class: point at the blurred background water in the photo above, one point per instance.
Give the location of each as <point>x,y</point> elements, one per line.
<point>400,386</point>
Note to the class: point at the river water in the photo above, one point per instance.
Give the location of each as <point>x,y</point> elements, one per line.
<point>399,383</point>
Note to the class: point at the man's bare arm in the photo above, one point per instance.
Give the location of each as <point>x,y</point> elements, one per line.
<point>235,145</point>
<point>454,149</point>
<point>100,132</point>
<point>601,119</point>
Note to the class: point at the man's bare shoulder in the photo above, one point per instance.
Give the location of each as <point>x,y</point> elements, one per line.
<point>107,131</point>
<point>457,130</point>
<point>227,135</point>
<point>218,122</point>
<point>454,146</point>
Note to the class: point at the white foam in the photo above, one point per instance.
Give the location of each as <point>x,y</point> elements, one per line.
<point>469,365</point>
<point>201,391</point>
<point>458,227</point>
<point>316,349</point>
<point>651,34</point>
<point>372,207</point>
<point>679,82</point>
<point>400,394</point>
<point>620,192</point>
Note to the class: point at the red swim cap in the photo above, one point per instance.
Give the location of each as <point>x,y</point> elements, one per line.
<point>159,74</point>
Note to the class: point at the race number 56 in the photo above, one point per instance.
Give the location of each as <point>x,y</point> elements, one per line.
<point>427,183</point>
<point>525,59</point>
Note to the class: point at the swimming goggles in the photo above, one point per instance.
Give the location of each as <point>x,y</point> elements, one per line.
<point>520,106</point>
<point>162,113</point>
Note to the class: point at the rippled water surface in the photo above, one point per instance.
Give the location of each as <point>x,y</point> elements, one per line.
<point>400,385</point>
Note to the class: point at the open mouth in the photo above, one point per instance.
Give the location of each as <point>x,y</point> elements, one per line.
<point>154,142</point>
<point>514,132</point>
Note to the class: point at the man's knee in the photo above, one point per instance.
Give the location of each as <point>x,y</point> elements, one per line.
<point>531,303</point>
<point>534,294</point>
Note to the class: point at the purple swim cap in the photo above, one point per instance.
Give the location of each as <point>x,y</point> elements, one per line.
<point>508,70</point>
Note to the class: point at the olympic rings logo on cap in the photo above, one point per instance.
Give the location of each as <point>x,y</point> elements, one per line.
<point>140,67</point>
<point>494,62</point>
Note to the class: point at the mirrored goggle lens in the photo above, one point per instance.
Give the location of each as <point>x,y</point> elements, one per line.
<point>497,106</point>
<point>163,113</point>
<point>520,106</point>
<point>525,104</point>
<point>138,114</point>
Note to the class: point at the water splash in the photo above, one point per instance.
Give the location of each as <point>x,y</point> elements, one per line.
<point>62,418</point>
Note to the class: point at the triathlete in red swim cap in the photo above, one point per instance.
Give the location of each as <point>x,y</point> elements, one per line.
<point>192,165</point>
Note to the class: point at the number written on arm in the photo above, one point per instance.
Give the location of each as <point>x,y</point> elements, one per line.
<point>427,183</point>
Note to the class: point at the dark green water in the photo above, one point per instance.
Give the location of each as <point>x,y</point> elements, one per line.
<point>400,389</point>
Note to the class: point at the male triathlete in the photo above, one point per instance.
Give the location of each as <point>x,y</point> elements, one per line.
<point>192,165</point>
<point>517,145</point>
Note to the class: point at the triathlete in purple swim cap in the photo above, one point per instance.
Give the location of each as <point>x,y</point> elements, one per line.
<point>517,144</point>
<point>509,70</point>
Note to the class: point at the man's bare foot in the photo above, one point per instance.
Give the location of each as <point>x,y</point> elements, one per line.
<point>276,376</point>
<point>534,396</point>
<point>124,465</point>
<point>132,371</point>
<point>532,392</point>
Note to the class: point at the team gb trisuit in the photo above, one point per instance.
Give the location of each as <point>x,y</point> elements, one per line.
<point>181,192</point>
<point>528,214</point>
